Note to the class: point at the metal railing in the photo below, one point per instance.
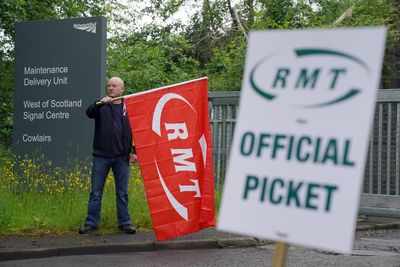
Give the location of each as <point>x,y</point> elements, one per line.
<point>223,112</point>
<point>381,188</point>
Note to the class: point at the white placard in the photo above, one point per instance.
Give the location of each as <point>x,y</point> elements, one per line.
<point>298,155</point>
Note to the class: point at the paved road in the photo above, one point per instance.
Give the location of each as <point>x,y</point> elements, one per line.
<point>371,248</point>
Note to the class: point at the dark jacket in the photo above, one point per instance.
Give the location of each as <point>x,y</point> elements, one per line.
<point>103,131</point>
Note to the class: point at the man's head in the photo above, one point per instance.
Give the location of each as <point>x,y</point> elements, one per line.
<point>115,87</point>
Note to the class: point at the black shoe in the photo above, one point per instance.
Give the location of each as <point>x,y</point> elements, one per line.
<point>127,229</point>
<point>87,229</point>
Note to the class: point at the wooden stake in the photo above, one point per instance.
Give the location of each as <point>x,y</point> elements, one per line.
<point>114,99</point>
<point>279,257</point>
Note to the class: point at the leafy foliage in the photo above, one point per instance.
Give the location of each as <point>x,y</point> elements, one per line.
<point>212,42</point>
<point>225,69</point>
<point>147,64</point>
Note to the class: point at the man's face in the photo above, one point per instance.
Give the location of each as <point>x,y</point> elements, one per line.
<point>115,87</point>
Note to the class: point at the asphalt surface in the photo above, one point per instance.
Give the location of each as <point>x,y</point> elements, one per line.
<point>17,247</point>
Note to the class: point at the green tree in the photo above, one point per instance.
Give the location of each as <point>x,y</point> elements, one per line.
<point>377,13</point>
<point>212,44</point>
<point>145,64</point>
<point>228,60</point>
<point>225,68</point>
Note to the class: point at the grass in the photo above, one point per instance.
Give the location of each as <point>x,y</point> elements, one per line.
<point>39,213</point>
<point>37,198</point>
<point>40,199</point>
<point>36,212</point>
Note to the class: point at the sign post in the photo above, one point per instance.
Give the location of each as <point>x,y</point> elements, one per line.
<point>279,257</point>
<point>298,154</point>
<point>60,68</point>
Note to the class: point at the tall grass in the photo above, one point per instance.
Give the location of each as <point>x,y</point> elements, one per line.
<point>38,198</point>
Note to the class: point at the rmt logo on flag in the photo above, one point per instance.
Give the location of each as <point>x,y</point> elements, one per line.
<point>171,132</point>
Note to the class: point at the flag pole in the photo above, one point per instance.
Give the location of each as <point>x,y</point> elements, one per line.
<point>279,257</point>
<point>112,100</point>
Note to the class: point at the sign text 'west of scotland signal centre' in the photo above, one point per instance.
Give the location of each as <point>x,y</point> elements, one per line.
<point>60,68</point>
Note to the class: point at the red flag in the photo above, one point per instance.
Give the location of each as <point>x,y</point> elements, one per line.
<point>172,136</point>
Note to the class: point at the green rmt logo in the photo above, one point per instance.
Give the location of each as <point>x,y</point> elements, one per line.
<point>307,78</point>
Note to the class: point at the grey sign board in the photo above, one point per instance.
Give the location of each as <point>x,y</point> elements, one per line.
<point>60,68</point>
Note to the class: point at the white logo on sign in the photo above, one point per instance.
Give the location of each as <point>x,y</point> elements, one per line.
<point>89,27</point>
<point>183,154</point>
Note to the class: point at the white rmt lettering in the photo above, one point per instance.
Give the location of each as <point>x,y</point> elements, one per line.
<point>183,154</point>
<point>180,156</point>
<point>179,130</point>
<point>191,188</point>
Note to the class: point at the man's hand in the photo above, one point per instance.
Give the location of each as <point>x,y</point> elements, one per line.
<point>106,100</point>
<point>134,159</point>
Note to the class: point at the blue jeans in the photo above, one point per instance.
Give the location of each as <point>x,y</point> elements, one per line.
<point>100,169</point>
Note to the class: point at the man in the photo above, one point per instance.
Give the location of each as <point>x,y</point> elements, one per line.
<point>112,146</point>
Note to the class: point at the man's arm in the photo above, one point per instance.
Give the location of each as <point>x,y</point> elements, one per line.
<point>92,111</point>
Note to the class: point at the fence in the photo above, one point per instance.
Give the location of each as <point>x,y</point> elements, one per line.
<point>381,187</point>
